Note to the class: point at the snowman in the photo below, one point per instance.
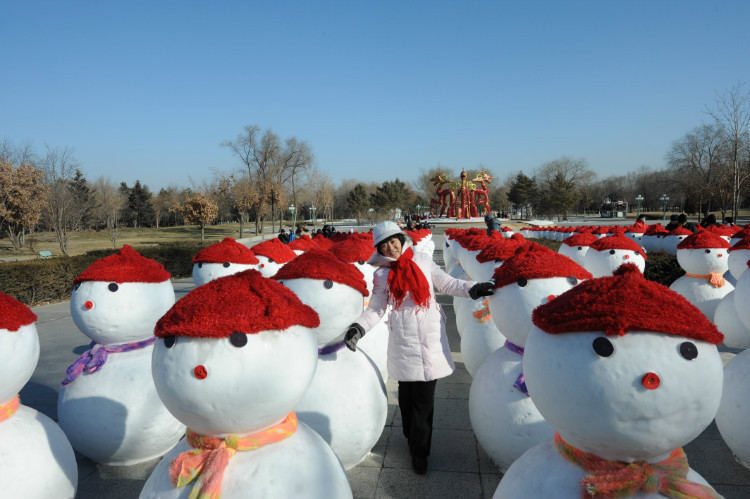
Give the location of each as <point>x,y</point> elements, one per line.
<point>503,417</point>
<point>346,402</point>
<point>673,238</point>
<point>357,250</point>
<point>422,239</point>
<point>727,319</point>
<point>220,259</point>
<point>108,405</point>
<point>636,233</point>
<point>734,410</point>
<point>653,238</point>
<point>272,254</point>
<point>36,459</point>
<point>301,244</point>
<point>606,255</point>
<point>624,385</point>
<point>703,257</point>
<point>234,380</point>
<point>576,246</point>
<point>739,235</point>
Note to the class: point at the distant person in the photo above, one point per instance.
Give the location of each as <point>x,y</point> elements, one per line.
<point>493,224</point>
<point>673,224</point>
<point>283,237</point>
<point>640,221</point>
<point>682,221</point>
<point>709,220</point>
<point>729,221</point>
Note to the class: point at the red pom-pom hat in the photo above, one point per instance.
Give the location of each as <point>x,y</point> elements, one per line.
<point>639,229</point>
<point>601,230</point>
<point>625,301</point>
<point>355,249</point>
<point>15,314</point>
<point>501,249</point>
<point>680,231</point>
<point>742,244</point>
<point>616,242</point>
<point>534,261</point>
<point>303,243</point>
<point>274,250</point>
<point>656,230</point>
<point>323,265</point>
<point>228,250</point>
<point>127,265</point>
<point>703,239</point>
<point>245,302</point>
<point>580,239</point>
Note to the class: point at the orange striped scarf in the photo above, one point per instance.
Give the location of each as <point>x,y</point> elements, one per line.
<point>7,410</point>
<point>618,479</point>
<point>208,460</point>
<point>714,278</point>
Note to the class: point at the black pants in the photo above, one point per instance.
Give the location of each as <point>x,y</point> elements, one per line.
<point>416,399</point>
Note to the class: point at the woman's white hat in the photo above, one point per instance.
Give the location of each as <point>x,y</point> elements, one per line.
<point>383,231</point>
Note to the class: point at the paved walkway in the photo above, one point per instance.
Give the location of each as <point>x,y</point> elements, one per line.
<point>458,467</point>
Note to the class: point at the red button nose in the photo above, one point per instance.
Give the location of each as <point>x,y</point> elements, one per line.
<point>262,265</point>
<point>200,372</point>
<point>550,298</point>
<point>88,305</point>
<point>651,381</point>
<point>627,257</point>
<point>719,255</point>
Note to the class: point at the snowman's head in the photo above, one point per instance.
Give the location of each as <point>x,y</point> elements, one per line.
<point>333,288</point>
<point>357,250</point>
<point>703,253</point>
<point>608,254</point>
<point>533,276</point>
<point>618,376</point>
<point>221,259</point>
<point>19,346</point>
<point>235,355</point>
<point>495,253</point>
<point>119,298</point>
<point>576,246</point>
<point>739,254</point>
<point>272,255</point>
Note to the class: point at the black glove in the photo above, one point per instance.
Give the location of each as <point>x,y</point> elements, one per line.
<point>353,334</point>
<point>482,289</point>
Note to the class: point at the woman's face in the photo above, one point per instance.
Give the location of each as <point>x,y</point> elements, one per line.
<point>391,248</point>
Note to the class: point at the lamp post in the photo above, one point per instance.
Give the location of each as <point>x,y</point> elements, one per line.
<point>419,211</point>
<point>312,215</point>
<point>664,199</point>
<point>639,199</point>
<point>292,210</point>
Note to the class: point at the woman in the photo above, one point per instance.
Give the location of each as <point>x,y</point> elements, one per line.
<point>418,350</point>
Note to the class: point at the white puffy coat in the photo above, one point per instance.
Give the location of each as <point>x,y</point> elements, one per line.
<point>418,347</point>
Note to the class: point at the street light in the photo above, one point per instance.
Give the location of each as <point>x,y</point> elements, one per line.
<point>664,199</point>
<point>312,215</point>
<point>419,211</point>
<point>639,198</point>
<point>292,210</point>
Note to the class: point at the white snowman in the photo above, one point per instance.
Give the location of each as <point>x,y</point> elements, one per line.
<point>357,250</point>
<point>739,235</point>
<point>503,416</point>
<point>232,360</point>
<point>346,402</point>
<point>625,386</point>
<point>606,255</point>
<point>301,244</point>
<point>422,239</point>
<point>576,246</point>
<point>220,259</point>
<point>653,238</point>
<point>36,459</point>
<point>734,410</point>
<point>703,257</point>
<point>636,233</point>
<point>108,405</point>
<point>272,254</point>
<point>673,238</point>
<point>727,319</point>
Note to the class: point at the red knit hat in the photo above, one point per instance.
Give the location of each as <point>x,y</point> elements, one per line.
<point>742,244</point>
<point>476,242</point>
<point>602,229</point>
<point>274,250</point>
<point>656,230</point>
<point>703,239</point>
<point>356,248</point>
<point>720,230</point>
<point>501,249</point>
<point>245,302</point>
<point>617,241</point>
<point>638,229</point>
<point>625,301</point>
<point>127,265</point>
<point>418,235</point>
<point>534,261</point>
<point>337,237</point>
<point>228,250</point>
<point>680,231</point>
<point>322,242</point>
<point>323,265</point>
<point>303,243</point>
<point>580,239</point>
<point>15,314</point>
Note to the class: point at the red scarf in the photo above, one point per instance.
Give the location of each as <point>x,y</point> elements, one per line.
<point>614,479</point>
<point>406,276</point>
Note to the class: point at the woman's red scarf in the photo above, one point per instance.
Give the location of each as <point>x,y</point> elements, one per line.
<point>406,276</point>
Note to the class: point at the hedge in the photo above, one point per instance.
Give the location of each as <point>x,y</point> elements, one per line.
<point>47,280</point>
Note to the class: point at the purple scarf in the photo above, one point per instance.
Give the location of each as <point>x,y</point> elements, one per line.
<point>94,358</point>
<point>329,349</point>
<point>520,383</point>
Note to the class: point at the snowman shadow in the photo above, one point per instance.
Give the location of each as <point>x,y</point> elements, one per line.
<point>41,398</point>
<point>81,349</point>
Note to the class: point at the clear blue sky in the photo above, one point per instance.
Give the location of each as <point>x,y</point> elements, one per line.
<point>380,89</point>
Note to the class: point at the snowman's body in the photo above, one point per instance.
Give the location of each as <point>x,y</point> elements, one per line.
<point>480,336</point>
<point>204,272</point>
<point>734,411</point>
<point>652,243</point>
<point>114,415</point>
<point>694,285</point>
<point>36,459</point>
<point>728,321</point>
<point>375,342</point>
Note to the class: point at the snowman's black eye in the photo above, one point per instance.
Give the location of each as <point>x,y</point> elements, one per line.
<point>572,280</point>
<point>113,286</point>
<point>688,350</point>
<point>611,252</point>
<point>708,251</point>
<point>361,262</point>
<point>169,341</point>
<point>226,265</point>
<point>328,284</point>
<point>76,286</point>
<point>636,253</point>
<point>522,282</point>
<point>238,339</point>
<point>603,347</point>
<point>269,260</point>
<point>580,248</point>
<point>200,265</point>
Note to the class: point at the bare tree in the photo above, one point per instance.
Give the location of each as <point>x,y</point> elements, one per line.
<point>109,203</point>
<point>559,180</point>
